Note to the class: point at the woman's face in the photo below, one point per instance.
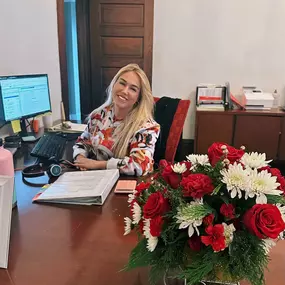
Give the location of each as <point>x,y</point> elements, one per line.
<point>126,91</point>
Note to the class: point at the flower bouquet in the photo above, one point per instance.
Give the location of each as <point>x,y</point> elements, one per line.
<point>211,217</point>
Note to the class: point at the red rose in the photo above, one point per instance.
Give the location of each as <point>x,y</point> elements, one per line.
<point>155,205</point>
<point>280,179</point>
<point>275,172</point>
<point>163,163</point>
<point>197,185</point>
<point>215,237</point>
<point>141,225</point>
<point>172,178</point>
<point>208,220</point>
<point>228,210</point>
<point>215,153</point>
<point>156,226</point>
<point>195,243</point>
<point>264,220</point>
<point>267,168</point>
<point>141,187</point>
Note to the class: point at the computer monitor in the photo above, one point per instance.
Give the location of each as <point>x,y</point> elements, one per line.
<point>23,97</point>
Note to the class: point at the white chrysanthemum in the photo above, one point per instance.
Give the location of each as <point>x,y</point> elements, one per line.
<point>132,196</point>
<point>198,159</point>
<point>128,225</point>
<point>152,243</point>
<point>137,213</point>
<point>236,179</point>
<point>179,168</point>
<point>188,220</point>
<point>229,233</point>
<point>260,184</point>
<point>151,240</point>
<point>268,244</point>
<point>254,160</point>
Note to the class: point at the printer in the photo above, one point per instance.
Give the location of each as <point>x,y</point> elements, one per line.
<point>257,100</point>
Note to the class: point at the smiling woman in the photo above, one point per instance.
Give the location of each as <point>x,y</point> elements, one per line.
<point>122,132</point>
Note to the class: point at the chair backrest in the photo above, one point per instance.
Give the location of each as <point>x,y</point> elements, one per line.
<point>176,129</point>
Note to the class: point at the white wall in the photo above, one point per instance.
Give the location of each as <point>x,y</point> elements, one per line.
<point>29,43</point>
<point>198,41</point>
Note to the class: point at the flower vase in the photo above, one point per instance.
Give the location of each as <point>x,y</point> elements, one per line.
<point>170,278</point>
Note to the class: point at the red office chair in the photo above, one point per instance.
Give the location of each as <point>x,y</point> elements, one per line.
<point>176,129</point>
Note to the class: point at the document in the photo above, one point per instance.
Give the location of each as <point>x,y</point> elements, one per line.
<point>69,127</point>
<point>6,200</point>
<point>16,126</point>
<point>80,187</point>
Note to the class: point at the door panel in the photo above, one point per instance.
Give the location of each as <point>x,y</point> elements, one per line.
<point>258,134</point>
<point>126,47</point>
<point>124,15</point>
<point>121,32</point>
<point>212,128</point>
<point>107,74</point>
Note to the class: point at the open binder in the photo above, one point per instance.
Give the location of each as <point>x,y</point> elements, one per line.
<point>80,188</point>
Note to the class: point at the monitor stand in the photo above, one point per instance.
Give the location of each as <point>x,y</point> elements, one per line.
<point>25,135</point>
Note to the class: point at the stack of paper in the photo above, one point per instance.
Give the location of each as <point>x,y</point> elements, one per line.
<point>80,187</point>
<point>6,198</point>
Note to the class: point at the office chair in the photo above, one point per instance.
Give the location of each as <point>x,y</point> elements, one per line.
<point>176,128</point>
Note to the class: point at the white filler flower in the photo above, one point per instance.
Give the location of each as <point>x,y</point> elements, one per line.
<point>260,184</point>
<point>198,159</point>
<point>151,240</point>
<point>137,213</point>
<point>128,223</point>
<point>236,179</point>
<point>254,160</point>
<point>179,168</point>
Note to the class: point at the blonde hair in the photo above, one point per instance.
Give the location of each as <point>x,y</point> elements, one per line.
<point>141,112</point>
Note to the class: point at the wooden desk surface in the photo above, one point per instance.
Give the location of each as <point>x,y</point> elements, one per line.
<point>81,245</point>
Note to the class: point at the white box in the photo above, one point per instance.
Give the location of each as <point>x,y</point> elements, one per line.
<point>6,198</point>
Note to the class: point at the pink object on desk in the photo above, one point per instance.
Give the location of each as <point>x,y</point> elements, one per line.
<point>7,166</point>
<point>6,161</point>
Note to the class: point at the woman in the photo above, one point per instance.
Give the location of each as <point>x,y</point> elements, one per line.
<point>121,133</point>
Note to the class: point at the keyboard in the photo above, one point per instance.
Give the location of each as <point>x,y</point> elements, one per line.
<point>50,145</point>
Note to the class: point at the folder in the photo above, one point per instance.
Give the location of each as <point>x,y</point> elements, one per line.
<point>80,188</point>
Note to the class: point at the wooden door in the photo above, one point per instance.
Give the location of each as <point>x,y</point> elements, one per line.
<point>212,127</point>
<point>258,134</point>
<point>120,32</point>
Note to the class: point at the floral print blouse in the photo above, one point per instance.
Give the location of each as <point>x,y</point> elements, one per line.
<point>96,142</point>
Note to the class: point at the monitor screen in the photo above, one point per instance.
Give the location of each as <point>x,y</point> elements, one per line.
<point>23,96</point>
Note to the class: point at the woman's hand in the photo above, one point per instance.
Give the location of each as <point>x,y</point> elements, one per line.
<point>84,163</point>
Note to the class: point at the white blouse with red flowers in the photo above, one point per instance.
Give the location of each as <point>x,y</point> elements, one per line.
<point>97,140</point>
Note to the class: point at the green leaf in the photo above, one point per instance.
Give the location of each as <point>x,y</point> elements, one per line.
<point>274,199</point>
<point>217,189</point>
<point>140,256</point>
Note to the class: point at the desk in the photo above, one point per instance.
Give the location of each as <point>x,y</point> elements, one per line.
<point>81,245</point>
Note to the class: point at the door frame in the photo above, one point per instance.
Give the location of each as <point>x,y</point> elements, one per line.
<point>82,14</point>
<point>62,55</point>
